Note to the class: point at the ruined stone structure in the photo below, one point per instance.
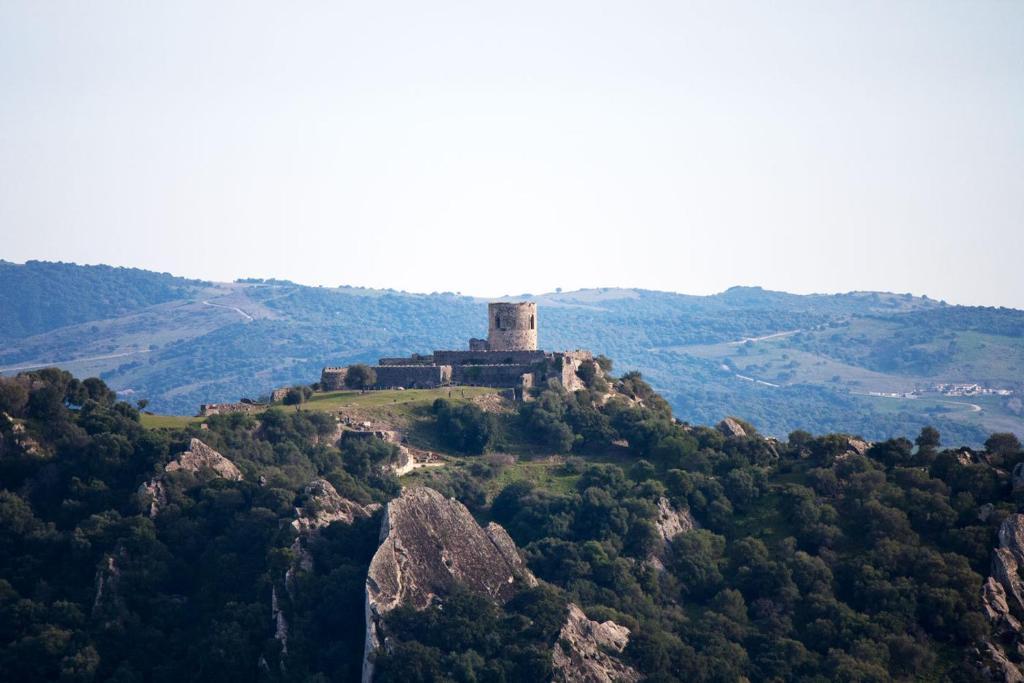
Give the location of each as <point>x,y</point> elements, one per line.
<point>333,379</point>
<point>512,327</point>
<point>247,407</point>
<point>508,359</point>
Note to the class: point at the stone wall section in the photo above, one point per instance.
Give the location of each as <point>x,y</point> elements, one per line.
<point>412,376</point>
<point>333,378</point>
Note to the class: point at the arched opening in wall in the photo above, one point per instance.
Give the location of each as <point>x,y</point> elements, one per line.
<point>497,322</point>
<point>531,322</point>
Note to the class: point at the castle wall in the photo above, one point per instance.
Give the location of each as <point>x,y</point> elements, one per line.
<point>412,376</point>
<point>487,357</point>
<point>512,326</point>
<point>414,359</point>
<point>491,375</point>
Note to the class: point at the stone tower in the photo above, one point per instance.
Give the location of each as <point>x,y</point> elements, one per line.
<point>512,327</point>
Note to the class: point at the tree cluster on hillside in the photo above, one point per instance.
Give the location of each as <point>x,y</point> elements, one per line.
<point>38,296</point>
<point>810,561</point>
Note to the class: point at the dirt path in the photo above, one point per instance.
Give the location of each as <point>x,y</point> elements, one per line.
<point>776,335</point>
<point>233,308</point>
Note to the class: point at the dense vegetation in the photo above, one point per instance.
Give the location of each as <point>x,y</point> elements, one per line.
<point>39,296</point>
<point>811,563</point>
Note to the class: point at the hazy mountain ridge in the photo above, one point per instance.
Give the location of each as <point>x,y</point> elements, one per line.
<point>221,341</point>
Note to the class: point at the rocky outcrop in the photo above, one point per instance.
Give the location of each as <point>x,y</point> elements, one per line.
<point>323,506</point>
<point>429,546</point>
<point>1002,598</point>
<point>200,461</point>
<point>731,427</point>
<point>199,457</point>
<point>14,437</point>
<point>671,522</point>
<point>585,649</point>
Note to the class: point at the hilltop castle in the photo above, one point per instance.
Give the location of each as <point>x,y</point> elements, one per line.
<point>508,358</point>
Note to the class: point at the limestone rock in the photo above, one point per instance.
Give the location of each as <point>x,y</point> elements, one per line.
<point>731,427</point>
<point>1002,598</point>
<point>857,446</point>
<point>325,506</point>
<point>670,522</point>
<point>199,460</point>
<point>584,651</point>
<point>200,457</point>
<point>430,545</point>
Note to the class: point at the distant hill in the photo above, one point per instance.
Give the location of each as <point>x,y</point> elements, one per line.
<point>38,296</point>
<point>825,363</point>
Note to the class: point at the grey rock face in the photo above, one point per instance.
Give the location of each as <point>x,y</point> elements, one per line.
<point>201,457</point>
<point>200,461</point>
<point>582,652</point>
<point>324,506</point>
<point>671,522</point>
<point>1002,598</point>
<point>731,427</point>
<point>430,545</point>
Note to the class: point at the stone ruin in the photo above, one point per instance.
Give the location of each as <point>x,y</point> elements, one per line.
<point>508,359</point>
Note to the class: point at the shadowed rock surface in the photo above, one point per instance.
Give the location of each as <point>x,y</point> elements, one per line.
<point>583,650</point>
<point>1003,602</point>
<point>324,505</point>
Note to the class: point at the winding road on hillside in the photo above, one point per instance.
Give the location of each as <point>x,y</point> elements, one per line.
<point>233,308</point>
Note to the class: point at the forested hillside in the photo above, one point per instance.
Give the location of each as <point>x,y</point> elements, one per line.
<point>845,362</point>
<point>129,554</point>
<point>39,296</point>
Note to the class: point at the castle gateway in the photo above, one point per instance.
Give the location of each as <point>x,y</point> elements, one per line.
<point>508,358</point>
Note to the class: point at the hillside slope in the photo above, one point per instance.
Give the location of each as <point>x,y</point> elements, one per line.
<point>784,361</point>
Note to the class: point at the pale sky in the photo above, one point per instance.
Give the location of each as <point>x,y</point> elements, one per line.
<point>495,148</point>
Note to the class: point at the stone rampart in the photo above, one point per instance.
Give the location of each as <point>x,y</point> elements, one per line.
<point>491,375</point>
<point>488,357</point>
<point>412,376</point>
<point>414,359</point>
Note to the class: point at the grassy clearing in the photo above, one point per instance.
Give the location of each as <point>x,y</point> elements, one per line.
<point>169,421</point>
<point>392,403</point>
<point>390,398</point>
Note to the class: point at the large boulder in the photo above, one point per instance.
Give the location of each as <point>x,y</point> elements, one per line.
<point>584,651</point>
<point>429,546</point>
